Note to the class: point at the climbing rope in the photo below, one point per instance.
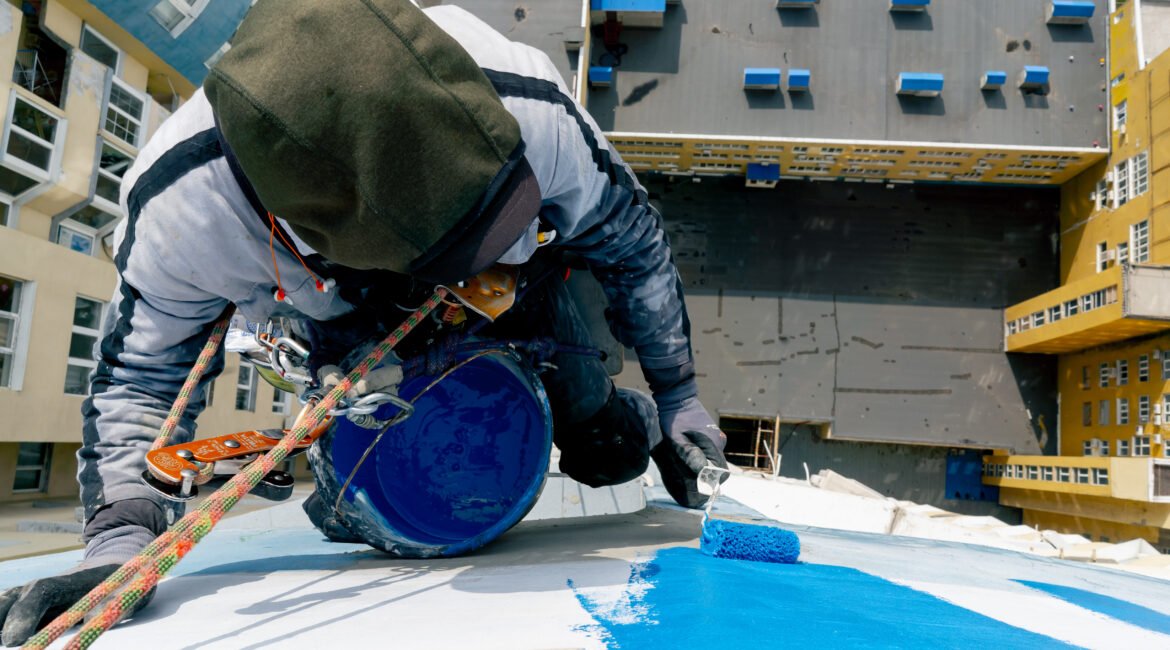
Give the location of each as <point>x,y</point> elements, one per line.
<point>161,555</point>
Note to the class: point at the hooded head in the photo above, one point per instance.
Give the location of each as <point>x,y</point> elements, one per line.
<point>374,135</point>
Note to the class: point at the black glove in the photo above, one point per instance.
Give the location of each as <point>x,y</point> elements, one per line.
<point>680,464</point>
<point>24,610</point>
<point>115,534</point>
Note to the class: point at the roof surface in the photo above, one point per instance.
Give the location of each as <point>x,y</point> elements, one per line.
<point>687,77</point>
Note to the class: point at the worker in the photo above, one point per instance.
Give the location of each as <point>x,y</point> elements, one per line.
<point>394,149</point>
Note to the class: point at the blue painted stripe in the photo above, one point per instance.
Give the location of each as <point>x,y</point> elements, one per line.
<point>684,599</point>
<point>1121,610</point>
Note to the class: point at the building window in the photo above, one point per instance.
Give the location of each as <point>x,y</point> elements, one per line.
<point>1144,368</point>
<point>1100,476</point>
<point>280,401</point>
<point>1011,327</point>
<point>1121,184</point>
<point>1063,474</point>
<point>1141,445</point>
<point>1100,195</point>
<point>1086,414</point>
<point>1103,447</point>
<point>176,16</point>
<point>1084,378</point>
<point>81,230</point>
<point>1122,447</point>
<point>1087,302</point>
<point>1141,173</point>
<point>87,318</point>
<point>1054,314</point>
<point>1103,413</point>
<point>1122,372</point>
<point>32,140</point>
<point>1047,473</point>
<point>1139,241</point>
<point>246,388</point>
<point>1119,111</point>
<point>1087,448</point>
<point>1102,256</point>
<point>124,112</point>
<point>101,49</point>
<point>1033,473</point>
<point>1123,410</point>
<point>1166,367</point>
<point>32,467</point>
<point>1143,408</point>
<point>5,210</point>
<point>10,307</point>
<point>1083,475</point>
<point>1104,375</point>
<point>1037,319</point>
<point>1123,253</point>
<point>112,167</point>
<point>1070,308</point>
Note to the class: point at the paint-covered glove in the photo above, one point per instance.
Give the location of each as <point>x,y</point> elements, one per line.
<point>26,609</point>
<point>691,441</point>
<point>379,380</point>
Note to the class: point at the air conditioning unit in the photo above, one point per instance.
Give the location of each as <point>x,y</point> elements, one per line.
<point>1157,419</point>
<point>1141,430</point>
<point>1157,408</point>
<point>1112,372</point>
<point>1109,177</point>
<point>1121,129</point>
<point>1111,255</point>
<point>1157,439</point>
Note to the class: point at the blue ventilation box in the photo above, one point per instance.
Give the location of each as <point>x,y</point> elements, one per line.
<point>797,4</point>
<point>1069,12</point>
<point>920,84</point>
<point>799,80</point>
<point>909,5</point>
<point>763,174</point>
<point>600,76</point>
<point>630,13</point>
<point>993,80</point>
<point>1034,77</point>
<point>761,78</point>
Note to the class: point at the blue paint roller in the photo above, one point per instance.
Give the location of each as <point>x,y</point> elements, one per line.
<point>733,539</point>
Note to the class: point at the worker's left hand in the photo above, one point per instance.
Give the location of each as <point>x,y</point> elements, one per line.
<point>691,441</point>
<point>379,380</point>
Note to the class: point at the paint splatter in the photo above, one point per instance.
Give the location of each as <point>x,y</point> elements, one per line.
<point>1121,610</point>
<point>682,598</point>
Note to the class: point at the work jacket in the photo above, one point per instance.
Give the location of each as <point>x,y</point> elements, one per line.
<point>192,242</point>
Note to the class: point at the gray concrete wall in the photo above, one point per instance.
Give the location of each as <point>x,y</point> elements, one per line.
<point>878,310</point>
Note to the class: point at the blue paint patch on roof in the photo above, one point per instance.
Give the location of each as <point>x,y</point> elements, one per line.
<point>763,171</point>
<point>1072,8</point>
<point>213,27</point>
<point>658,6</point>
<point>1121,610</point>
<point>682,598</point>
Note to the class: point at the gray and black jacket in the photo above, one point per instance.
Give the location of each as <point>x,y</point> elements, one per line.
<point>192,242</point>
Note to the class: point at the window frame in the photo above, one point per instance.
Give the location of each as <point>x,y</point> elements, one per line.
<point>249,389</point>
<point>1143,368</point>
<point>1139,241</point>
<point>20,165</point>
<point>1123,372</point>
<point>281,404</point>
<point>17,350</point>
<point>1120,114</point>
<point>79,330</point>
<point>110,44</point>
<point>1121,184</point>
<point>190,11</point>
<point>1143,409</point>
<point>1103,413</point>
<point>43,469</point>
<point>139,122</point>
<point>1141,446</point>
<point>1122,410</point>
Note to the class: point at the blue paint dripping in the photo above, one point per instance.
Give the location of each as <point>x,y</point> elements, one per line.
<point>683,598</point>
<point>1121,610</point>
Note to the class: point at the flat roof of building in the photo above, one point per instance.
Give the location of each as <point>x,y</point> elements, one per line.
<point>687,77</point>
<point>542,25</point>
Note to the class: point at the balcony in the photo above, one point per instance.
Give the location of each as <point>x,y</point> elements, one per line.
<point>1131,478</point>
<point>1119,303</point>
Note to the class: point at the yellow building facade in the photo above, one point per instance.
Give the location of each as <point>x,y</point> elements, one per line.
<point>83,97</point>
<point>1109,320</point>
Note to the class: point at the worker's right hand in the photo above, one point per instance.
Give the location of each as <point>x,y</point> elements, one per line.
<point>384,379</point>
<point>114,535</point>
<point>26,609</point>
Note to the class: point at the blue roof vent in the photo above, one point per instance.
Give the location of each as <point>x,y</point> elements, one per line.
<point>797,4</point>
<point>763,174</point>
<point>993,80</point>
<point>1034,77</point>
<point>600,76</point>
<point>920,84</point>
<point>630,13</point>
<point>799,80</point>
<point>761,78</point>
<point>909,5</point>
<point>1069,12</point>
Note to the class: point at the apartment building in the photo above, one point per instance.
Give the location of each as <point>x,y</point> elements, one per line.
<point>90,83</point>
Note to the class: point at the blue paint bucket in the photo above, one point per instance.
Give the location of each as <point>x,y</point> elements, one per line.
<point>463,469</point>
